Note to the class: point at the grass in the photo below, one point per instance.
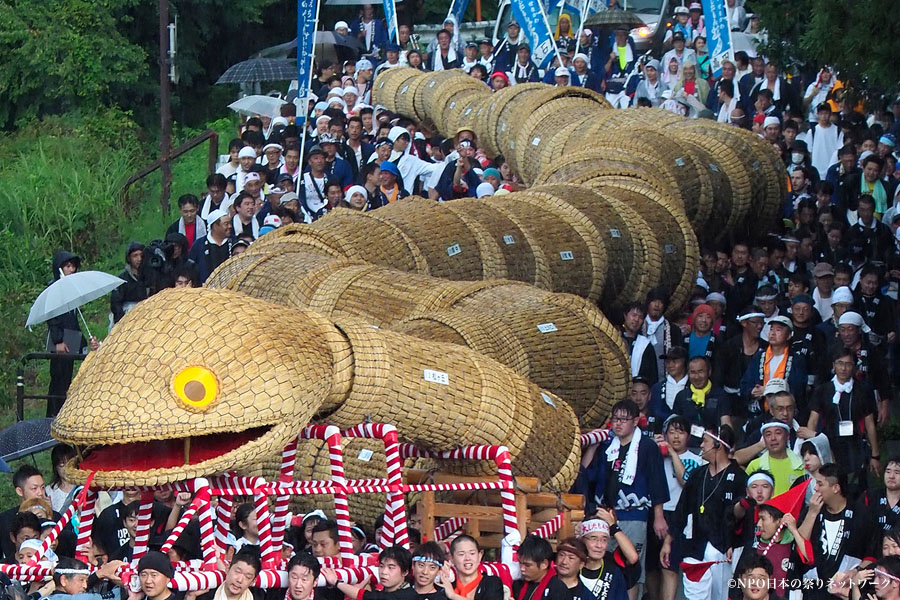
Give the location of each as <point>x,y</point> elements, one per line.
<point>61,187</point>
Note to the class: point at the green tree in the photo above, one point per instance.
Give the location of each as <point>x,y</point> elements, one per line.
<point>61,55</point>
<point>859,38</point>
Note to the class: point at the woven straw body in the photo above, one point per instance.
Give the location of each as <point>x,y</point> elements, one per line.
<point>450,248</point>
<point>452,94</point>
<point>582,360</point>
<point>572,349</point>
<point>680,252</point>
<point>392,383</point>
<point>493,229</point>
<point>737,194</point>
<point>512,114</point>
<point>124,393</point>
<point>571,246</point>
<point>538,128</point>
<point>634,254</point>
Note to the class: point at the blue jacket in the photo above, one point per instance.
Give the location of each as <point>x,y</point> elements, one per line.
<point>339,169</point>
<point>381,34</point>
<point>550,76</point>
<point>199,256</point>
<point>796,378</point>
<point>634,502</point>
<point>591,81</point>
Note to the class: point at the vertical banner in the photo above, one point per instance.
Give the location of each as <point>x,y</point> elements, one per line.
<point>458,10</point>
<point>718,34</point>
<point>390,19</point>
<point>307,16</point>
<point>532,20</point>
<point>585,7</point>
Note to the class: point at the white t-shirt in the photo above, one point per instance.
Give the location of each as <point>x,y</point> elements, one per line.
<point>227,170</point>
<point>314,201</point>
<point>823,305</point>
<point>818,99</point>
<point>672,481</point>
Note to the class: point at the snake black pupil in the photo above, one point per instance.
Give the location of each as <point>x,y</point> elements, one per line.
<point>194,390</point>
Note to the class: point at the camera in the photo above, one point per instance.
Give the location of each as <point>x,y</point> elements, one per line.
<point>156,254</point>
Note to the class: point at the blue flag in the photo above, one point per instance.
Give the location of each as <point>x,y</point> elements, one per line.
<point>306,35</point>
<point>718,34</point>
<point>533,21</point>
<point>390,19</point>
<point>458,9</point>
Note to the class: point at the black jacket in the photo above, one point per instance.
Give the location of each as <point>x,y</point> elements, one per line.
<point>69,320</point>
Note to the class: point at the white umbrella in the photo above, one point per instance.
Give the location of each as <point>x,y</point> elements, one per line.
<point>70,292</point>
<point>268,106</point>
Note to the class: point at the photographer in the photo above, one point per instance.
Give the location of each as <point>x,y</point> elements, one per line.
<point>161,259</point>
<point>134,289</point>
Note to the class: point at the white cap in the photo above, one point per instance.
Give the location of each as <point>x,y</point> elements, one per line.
<point>268,147</point>
<point>771,121</point>
<point>252,176</point>
<point>842,295</point>
<point>396,131</point>
<point>215,215</point>
<point>561,72</point>
<point>279,121</point>
<point>854,318</point>
<point>364,64</point>
<point>341,25</point>
<point>581,56</point>
<point>323,119</point>
<point>484,189</point>
<point>776,385</point>
<point>335,92</point>
<point>272,221</point>
<point>355,189</point>
<point>247,152</point>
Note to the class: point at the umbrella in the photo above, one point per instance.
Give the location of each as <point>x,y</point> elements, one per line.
<point>260,69</point>
<point>332,38</point>
<point>614,17</point>
<point>25,438</point>
<point>268,106</point>
<point>70,292</point>
<point>351,2</point>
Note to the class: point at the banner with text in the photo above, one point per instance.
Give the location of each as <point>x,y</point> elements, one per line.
<point>718,34</point>
<point>532,20</point>
<point>390,19</point>
<point>306,35</point>
<point>458,10</point>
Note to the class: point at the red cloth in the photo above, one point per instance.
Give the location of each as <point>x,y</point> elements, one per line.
<point>690,87</point>
<point>538,592</point>
<point>190,232</point>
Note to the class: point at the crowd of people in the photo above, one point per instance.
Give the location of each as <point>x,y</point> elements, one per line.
<point>746,461</point>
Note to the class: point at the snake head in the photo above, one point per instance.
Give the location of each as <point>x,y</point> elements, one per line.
<point>195,382</point>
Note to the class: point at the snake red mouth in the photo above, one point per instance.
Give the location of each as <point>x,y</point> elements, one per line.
<point>167,454</point>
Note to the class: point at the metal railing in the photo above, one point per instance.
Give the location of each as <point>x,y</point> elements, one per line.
<point>21,396</point>
<point>189,145</point>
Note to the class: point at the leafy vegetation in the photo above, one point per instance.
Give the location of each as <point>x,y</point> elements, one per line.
<point>809,34</point>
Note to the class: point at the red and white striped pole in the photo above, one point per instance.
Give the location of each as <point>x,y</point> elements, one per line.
<point>142,531</point>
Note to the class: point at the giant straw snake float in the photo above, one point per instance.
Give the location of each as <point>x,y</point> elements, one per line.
<point>196,382</point>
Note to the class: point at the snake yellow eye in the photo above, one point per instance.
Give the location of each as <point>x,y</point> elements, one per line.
<point>195,387</point>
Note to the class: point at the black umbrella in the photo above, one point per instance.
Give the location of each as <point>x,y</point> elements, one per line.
<point>614,17</point>
<point>260,69</point>
<point>26,438</point>
<point>332,38</point>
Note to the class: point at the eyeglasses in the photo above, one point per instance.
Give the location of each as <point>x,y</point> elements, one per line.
<point>621,419</point>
